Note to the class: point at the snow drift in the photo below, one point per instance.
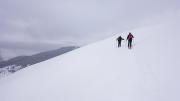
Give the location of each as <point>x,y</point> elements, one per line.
<point>103,72</point>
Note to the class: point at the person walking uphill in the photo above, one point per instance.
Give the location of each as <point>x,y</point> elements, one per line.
<point>119,39</point>
<point>130,38</point>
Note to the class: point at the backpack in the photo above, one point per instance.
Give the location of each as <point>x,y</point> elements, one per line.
<point>130,37</point>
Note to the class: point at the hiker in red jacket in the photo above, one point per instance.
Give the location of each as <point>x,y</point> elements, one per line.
<point>130,38</point>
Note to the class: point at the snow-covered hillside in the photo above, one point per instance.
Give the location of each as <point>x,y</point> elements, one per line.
<point>103,72</point>
<point>17,63</point>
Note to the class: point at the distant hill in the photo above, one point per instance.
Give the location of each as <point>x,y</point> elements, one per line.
<point>14,64</point>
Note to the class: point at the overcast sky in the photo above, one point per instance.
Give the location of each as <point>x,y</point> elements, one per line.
<point>32,26</point>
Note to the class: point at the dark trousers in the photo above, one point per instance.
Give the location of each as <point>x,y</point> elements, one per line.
<point>129,43</point>
<point>119,43</point>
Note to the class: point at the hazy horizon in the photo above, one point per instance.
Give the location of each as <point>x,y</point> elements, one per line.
<point>33,26</point>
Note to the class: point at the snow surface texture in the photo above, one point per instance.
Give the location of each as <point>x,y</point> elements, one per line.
<point>103,72</point>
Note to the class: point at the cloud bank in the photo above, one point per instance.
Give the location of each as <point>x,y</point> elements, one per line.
<point>31,26</point>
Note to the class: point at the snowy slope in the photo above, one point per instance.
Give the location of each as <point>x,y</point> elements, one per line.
<point>103,72</point>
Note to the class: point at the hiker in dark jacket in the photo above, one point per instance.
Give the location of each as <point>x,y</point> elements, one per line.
<point>129,39</point>
<point>119,39</point>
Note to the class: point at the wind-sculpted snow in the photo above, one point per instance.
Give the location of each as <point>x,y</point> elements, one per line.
<point>103,72</point>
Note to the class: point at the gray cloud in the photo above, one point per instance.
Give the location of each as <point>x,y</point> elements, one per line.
<point>37,25</point>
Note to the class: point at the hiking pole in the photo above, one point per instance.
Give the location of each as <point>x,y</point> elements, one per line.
<point>126,43</point>
<point>117,43</point>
